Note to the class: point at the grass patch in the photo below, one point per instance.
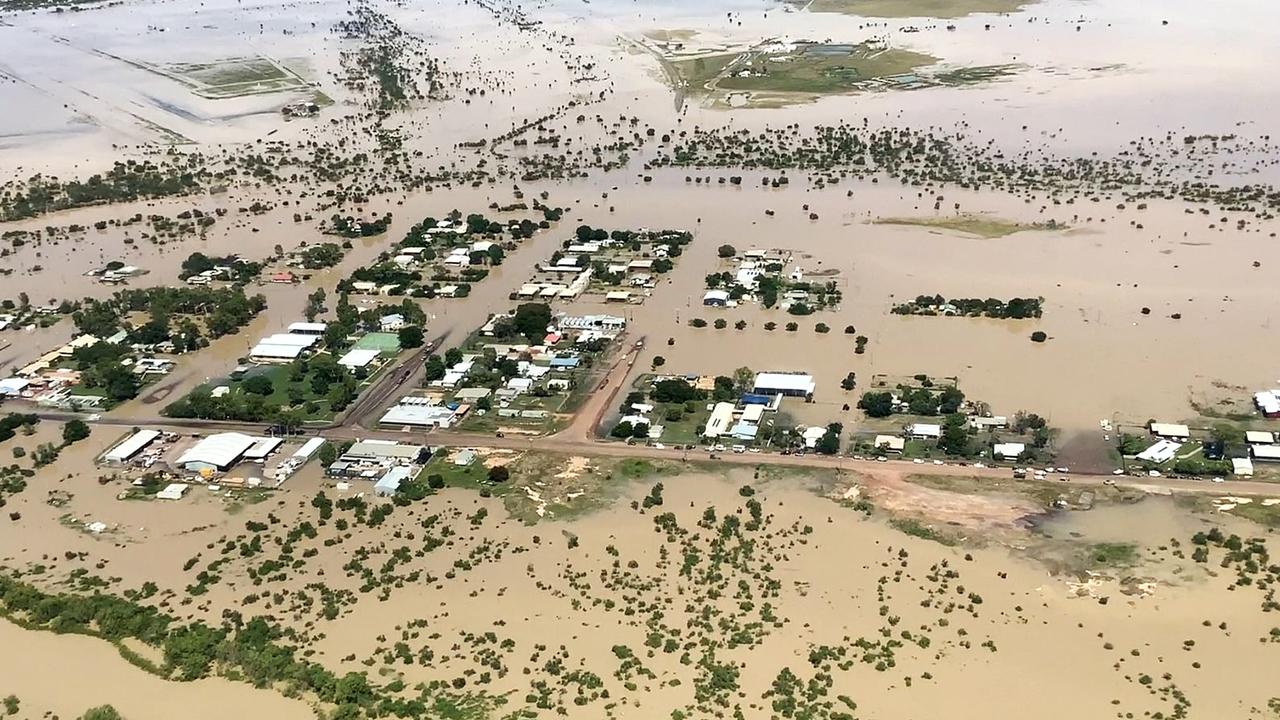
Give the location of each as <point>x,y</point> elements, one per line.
<point>915,528</point>
<point>1113,554</point>
<point>977,225</point>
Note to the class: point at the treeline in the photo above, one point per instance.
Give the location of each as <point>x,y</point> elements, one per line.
<point>1012,309</point>
<point>124,182</point>
<point>254,651</point>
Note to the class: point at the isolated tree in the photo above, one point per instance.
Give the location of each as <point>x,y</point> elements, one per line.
<point>411,336</point>
<point>74,431</point>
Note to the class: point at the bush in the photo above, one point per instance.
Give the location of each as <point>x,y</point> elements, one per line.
<point>499,474</point>
<point>821,328</point>
<point>435,481</point>
<point>697,322</point>
<point>726,251</point>
<point>849,330</point>
<point>721,324</point>
<point>258,385</point>
<point>1039,336</point>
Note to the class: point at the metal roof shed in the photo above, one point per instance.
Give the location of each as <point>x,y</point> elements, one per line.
<point>218,451</point>
<point>131,446</point>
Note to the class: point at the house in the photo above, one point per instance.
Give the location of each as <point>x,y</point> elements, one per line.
<point>1258,437</point>
<point>464,458</point>
<point>988,423</point>
<point>1162,451</point>
<point>471,394</point>
<point>891,443</point>
<point>640,265</point>
<point>715,298</point>
<point>283,278</point>
<point>1242,467</point>
<point>744,431</point>
<point>789,384</point>
<point>753,413</point>
<point>1008,450</point>
<point>1171,431</point>
<point>391,323</point>
<point>617,296</point>
<point>216,452</point>
<point>720,420</point>
<point>812,435</point>
<point>925,431</point>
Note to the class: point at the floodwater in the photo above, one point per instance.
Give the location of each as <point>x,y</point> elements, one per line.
<point>514,585</point>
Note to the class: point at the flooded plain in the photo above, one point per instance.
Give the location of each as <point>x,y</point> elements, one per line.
<point>679,590</point>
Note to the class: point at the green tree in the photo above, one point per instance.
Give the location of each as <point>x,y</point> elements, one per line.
<point>411,336</point>
<point>102,712</point>
<point>258,385</point>
<point>74,431</point>
<point>955,434</point>
<point>876,404</point>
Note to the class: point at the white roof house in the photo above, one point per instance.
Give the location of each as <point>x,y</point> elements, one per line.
<point>295,339</point>
<point>715,297</point>
<point>774,383</point>
<point>1242,466</point>
<point>1008,450</point>
<point>391,322</point>
<point>1258,437</point>
<point>218,451</point>
<point>752,413</point>
<point>131,446</point>
<point>1162,451</point>
<point>812,435</point>
<point>926,430</point>
<point>358,358</point>
<point>1170,430</point>
<point>720,421</point>
<point>893,443</point>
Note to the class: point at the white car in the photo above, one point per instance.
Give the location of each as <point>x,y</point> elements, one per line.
<point>918,461</point>
<point>659,446</point>
<point>1064,470</point>
<point>937,462</point>
<point>753,450</point>
<point>739,449</point>
<point>1218,479</point>
<point>1117,471</point>
<point>95,417</point>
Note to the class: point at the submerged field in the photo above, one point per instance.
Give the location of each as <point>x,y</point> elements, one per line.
<point>941,9</point>
<point>686,592</point>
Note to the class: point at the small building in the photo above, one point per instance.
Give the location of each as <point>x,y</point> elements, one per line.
<point>753,413</point>
<point>126,449</point>
<point>926,431</point>
<point>172,491</point>
<point>463,458</point>
<point>358,357</point>
<point>391,323</point>
<point>216,452</point>
<point>472,394</point>
<point>1242,467</point>
<point>389,483</point>
<point>988,423</point>
<point>715,298</point>
<point>1170,431</point>
<point>1268,403</point>
<point>890,443</point>
<point>282,278</point>
<point>617,296</point>
<point>789,384</point>
<point>1259,437</point>
<point>308,328</point>
<point>262,448</point>
<point>1008,450</point>
<point>309,448</point>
